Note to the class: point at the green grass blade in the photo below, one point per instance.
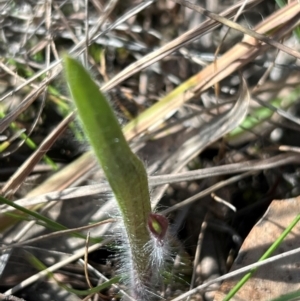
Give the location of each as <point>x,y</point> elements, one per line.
<point>40,266</point>
<point>29,142</point>
<point>261,114</point>
<point>266,255</point>
<point>50,223</point>
<point>293,296</point>
<point>47,222</point>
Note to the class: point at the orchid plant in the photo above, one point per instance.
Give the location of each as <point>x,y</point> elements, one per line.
<point>145,232</point>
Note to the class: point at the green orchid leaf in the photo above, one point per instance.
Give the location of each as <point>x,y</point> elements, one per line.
<point>124,171</point>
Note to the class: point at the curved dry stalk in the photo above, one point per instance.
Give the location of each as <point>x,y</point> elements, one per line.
<point>237,272</point>
<point>90,190</point>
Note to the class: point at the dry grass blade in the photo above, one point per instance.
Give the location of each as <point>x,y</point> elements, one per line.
<point>208,191</point>
<point>55,67</point>
<point>288,148</point>
<point>125,17</point>
<point>90,190</point>
<point>248,49</point>
<point>18,178</point>
<point>15,76</point>
<point>211,132</point>
<point>252,33</point>
<point>54,267</point>
<point>237,272</point>
<point>11,298</point>
<point>65,177</point>
<point>272,162</point>
<point>30,98</point>
<point>172,46</point>
<point>204,136</point>
<point>231,61</point>
<point>30,81</point>
<point>56,234</point>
